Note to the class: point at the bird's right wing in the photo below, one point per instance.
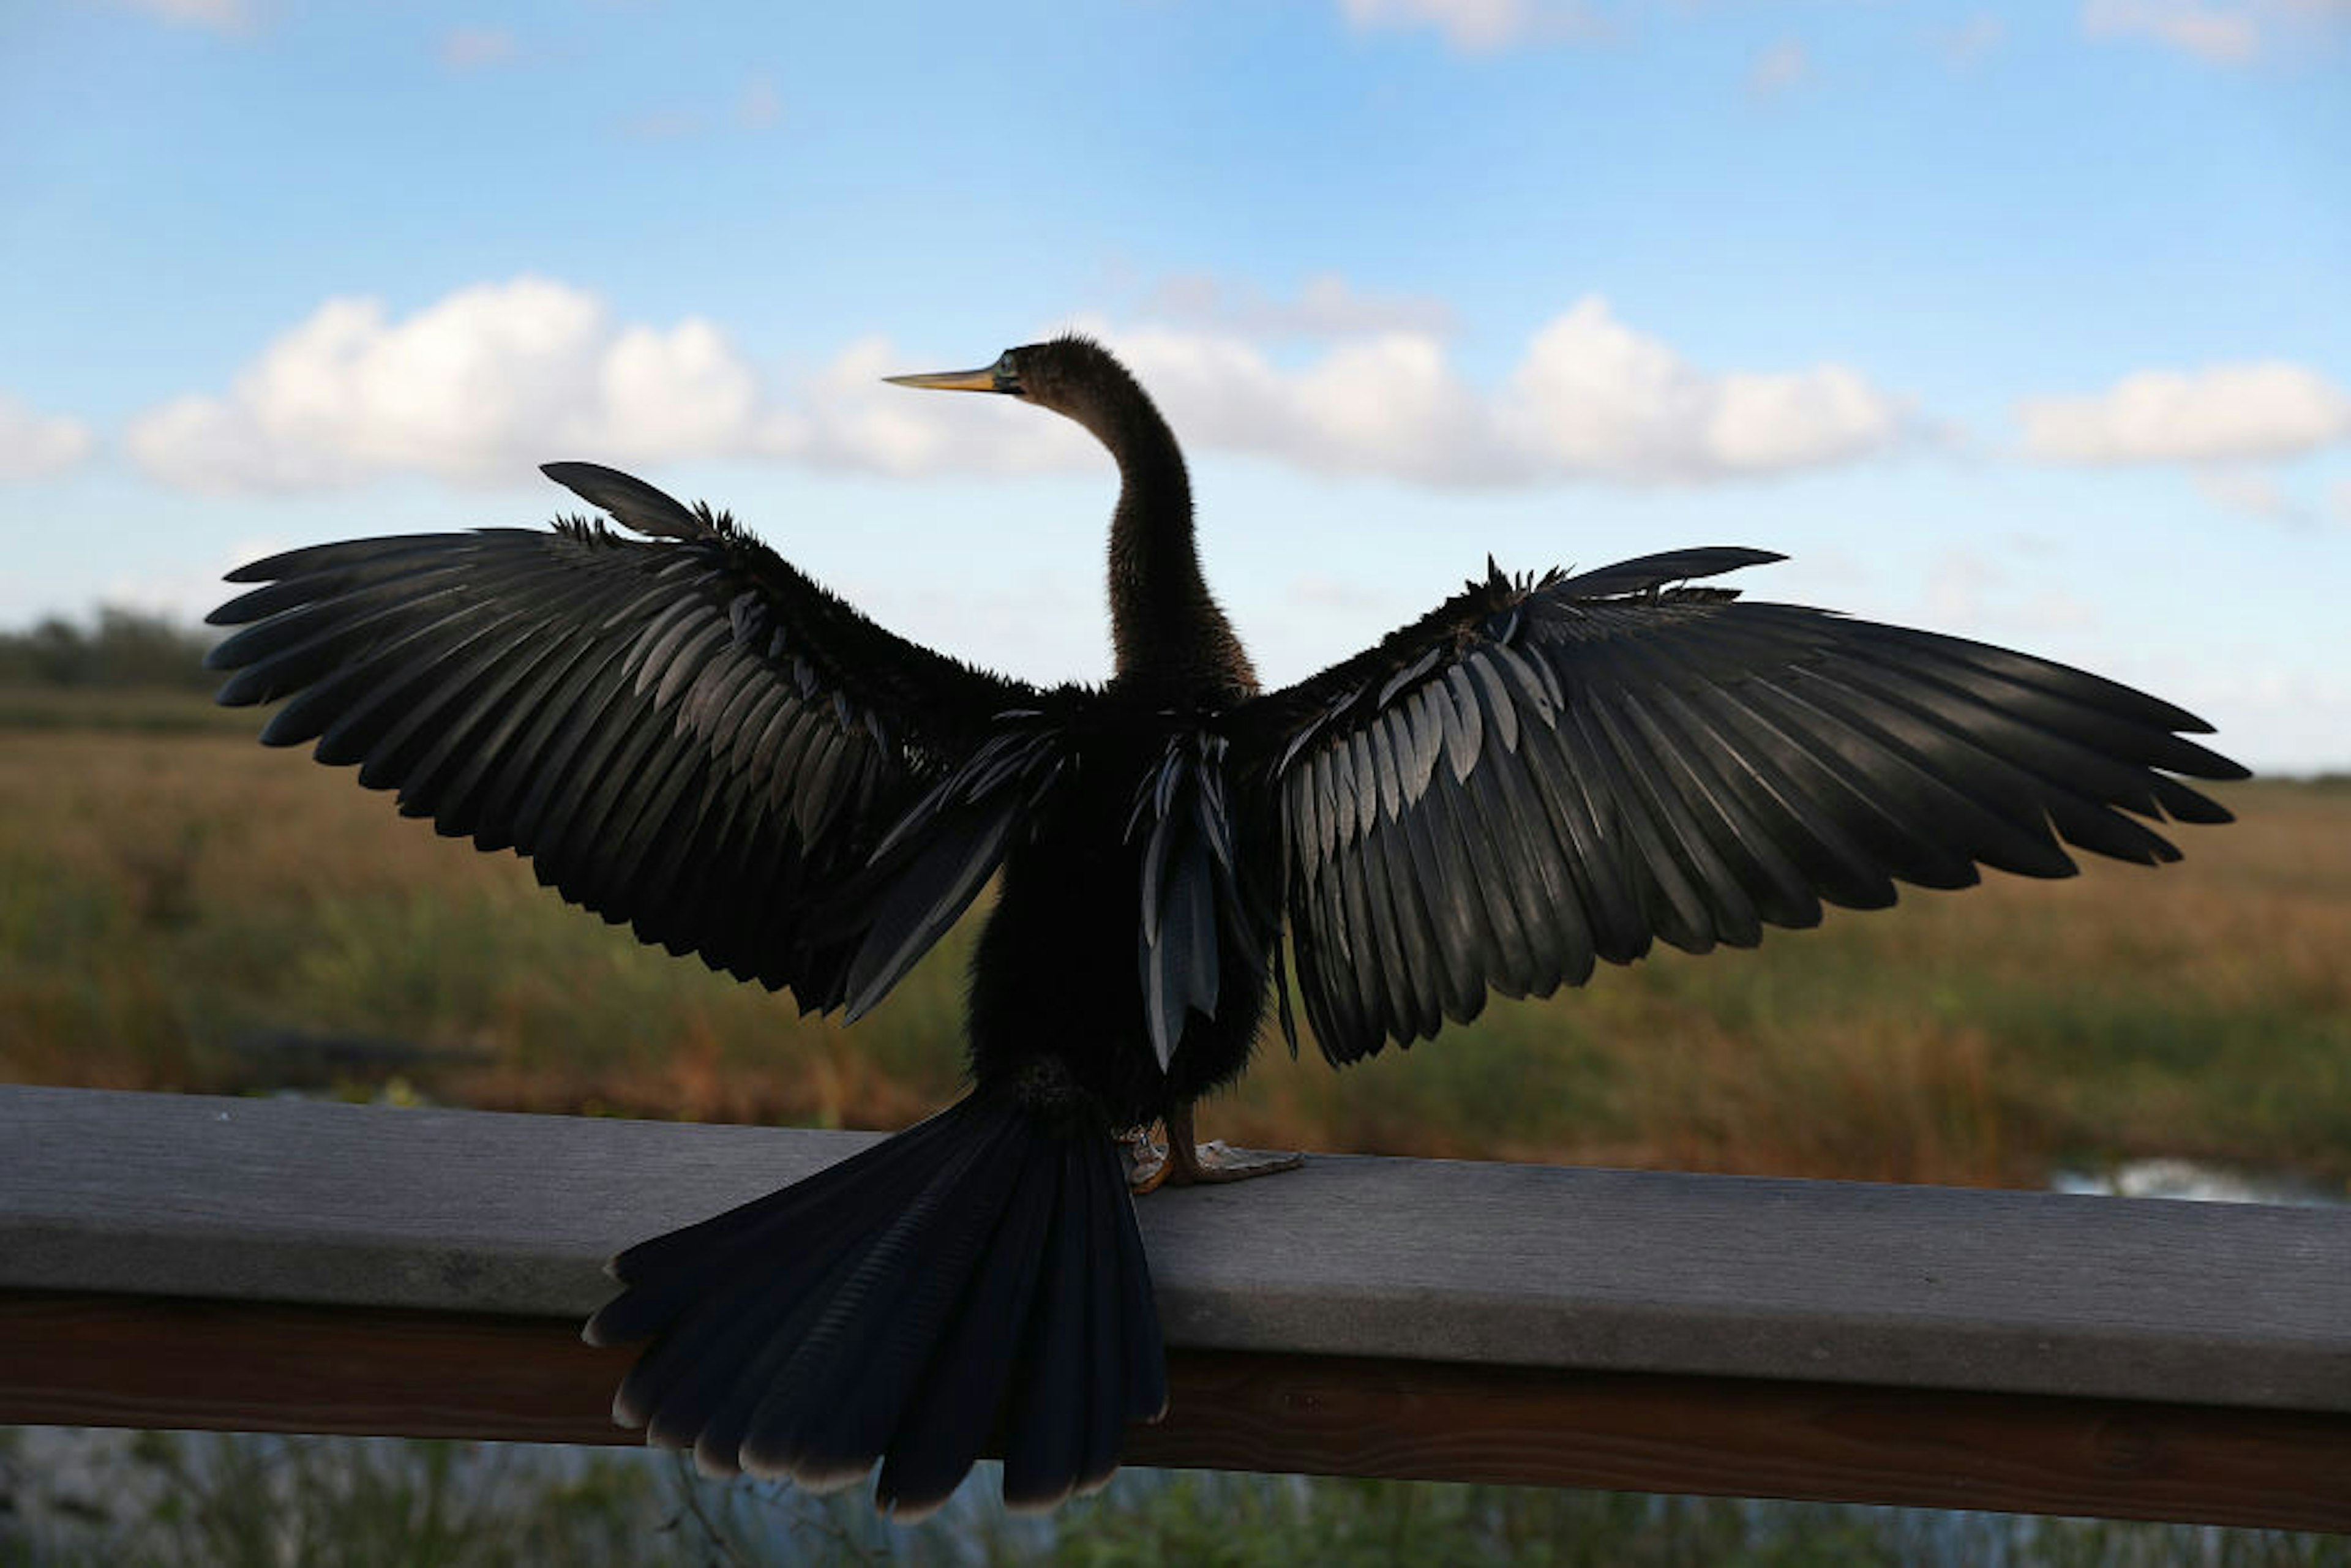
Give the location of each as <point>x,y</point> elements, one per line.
<point>682,732</point>
<point>1542,774</point>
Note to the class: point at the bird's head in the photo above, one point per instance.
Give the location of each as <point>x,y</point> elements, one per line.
<point>1067,374</point>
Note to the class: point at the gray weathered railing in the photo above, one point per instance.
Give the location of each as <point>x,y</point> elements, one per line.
<point>188,1262</point>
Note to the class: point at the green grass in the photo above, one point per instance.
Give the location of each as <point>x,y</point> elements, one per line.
<point>170,897</point>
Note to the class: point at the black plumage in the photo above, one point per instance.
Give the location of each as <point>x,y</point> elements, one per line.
<point>683,732</point>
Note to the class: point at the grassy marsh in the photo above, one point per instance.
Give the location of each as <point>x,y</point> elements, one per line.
<point>172,896</point>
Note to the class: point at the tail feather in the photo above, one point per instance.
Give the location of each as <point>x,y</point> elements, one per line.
<point>834,1407</point>
<point>752,1330</point>
<point>730,1375</point>
<point>780,1347</point>
<point>955,1405</point>
<point>1138,1319</point>
<point>983,1263</point>
<point>1041,1455</point>
<point>1106,1396</point>
<point>726,1300</point>
<point>668,1274</point>
<point>719,1377</point>
<point>774,1217</point>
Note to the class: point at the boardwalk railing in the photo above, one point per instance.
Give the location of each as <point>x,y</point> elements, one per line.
<point>197,1262</point>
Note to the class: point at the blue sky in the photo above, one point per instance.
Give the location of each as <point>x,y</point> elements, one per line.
<point>2023,321</point>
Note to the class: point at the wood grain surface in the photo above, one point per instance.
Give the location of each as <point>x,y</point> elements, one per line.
<point>185,1261</point>
<point>209,1365</point>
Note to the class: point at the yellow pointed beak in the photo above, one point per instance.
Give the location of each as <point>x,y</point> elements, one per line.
<point>981,380</point>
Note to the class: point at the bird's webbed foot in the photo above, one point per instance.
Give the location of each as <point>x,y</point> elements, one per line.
<point>1180,1162</point>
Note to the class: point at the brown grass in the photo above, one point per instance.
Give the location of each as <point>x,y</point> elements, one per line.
<point>167,898</point>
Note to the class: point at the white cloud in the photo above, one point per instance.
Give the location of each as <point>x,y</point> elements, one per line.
<point>33,444</point>
<point>2222,35</point>
<point>2338,501</point>
<point>484,382</point>
<point>668,394</point>
<point>1595,397</point>
<point>1779,68</point>
<point>2222,32</point>
<point>1590,398</point>
<point>221,15</point>
<point>475,48</point>
<point>1480,27</point>
<point>497,377</point>
<point>2222,414</point>
<point>1472,25</point>
<point>1386,403</point>
<point>847,418</point>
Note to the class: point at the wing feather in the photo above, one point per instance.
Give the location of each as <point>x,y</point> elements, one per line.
<point>682,732</point>
<point>1542,774</point>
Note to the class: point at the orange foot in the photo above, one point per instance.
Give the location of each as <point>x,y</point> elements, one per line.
<point>1180,1162</point>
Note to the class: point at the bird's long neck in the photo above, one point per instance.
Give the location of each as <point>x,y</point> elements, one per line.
<point>1172,641</point>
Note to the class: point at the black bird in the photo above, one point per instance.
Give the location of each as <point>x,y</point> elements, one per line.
<point>683,732</point>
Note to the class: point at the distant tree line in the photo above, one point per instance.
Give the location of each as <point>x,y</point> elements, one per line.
<point>124,648</point>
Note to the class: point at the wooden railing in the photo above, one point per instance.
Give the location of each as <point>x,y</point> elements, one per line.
<point>265,1265</point>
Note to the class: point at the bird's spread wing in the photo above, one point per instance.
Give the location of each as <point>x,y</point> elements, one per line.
<point>682,732</point>
<point>1539,775</point>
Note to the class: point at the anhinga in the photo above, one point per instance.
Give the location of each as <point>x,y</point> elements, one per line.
<point>683,732</point>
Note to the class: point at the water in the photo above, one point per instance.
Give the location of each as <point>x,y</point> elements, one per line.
<point>203,1500</point>
<point>2190,1181</point>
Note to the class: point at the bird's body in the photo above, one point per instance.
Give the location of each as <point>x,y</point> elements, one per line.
<point>1054,974</point>
<point>683,732</point>
<point>1053,978</point>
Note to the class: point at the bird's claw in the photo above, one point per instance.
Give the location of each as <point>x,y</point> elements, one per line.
<point>1146,1160</point>
<point>1152,1164</point>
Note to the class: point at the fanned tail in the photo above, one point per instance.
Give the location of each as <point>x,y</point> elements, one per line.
<point>982,1265</point>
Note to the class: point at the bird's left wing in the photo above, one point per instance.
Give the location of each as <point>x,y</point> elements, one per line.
<point>1542,774</point>
<point>683,732</point>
